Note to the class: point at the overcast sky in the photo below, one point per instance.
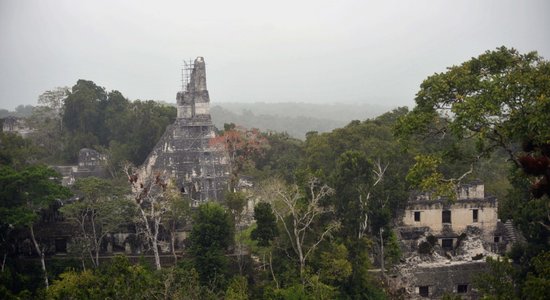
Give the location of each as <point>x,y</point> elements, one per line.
<point>375,52</point>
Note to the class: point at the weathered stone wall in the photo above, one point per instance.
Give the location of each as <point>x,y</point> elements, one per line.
<point>461,215</point>
<point>444,279</point>
<point>184,152</point>
<point>471,198</point>
<point>475,190</point>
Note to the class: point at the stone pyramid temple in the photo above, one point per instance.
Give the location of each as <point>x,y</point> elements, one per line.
<point>185,152</point>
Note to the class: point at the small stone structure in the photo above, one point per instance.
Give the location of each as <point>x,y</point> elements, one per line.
<point>447,219</point>
<point>90,163</point>
<point>184,152</point>
<point>445,242</point>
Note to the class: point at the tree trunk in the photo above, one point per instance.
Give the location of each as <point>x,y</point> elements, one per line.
<point>271,269</point>
<point>155,245</point>
<point>4,261</point>
<point>96,244</point>
<point>41,254</point>
<point>173,244</point>
<point>300,253</point>
<point>152,235</point>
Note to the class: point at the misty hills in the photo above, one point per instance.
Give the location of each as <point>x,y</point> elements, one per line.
<point>296,119</point>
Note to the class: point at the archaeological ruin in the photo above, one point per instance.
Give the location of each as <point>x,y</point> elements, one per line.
<point>445,242</point>
<point>185,152</point>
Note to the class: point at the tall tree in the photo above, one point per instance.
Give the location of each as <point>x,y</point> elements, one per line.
<point>24,195</point>
<point>499,99</point>
<point>298,212</point>
<point>82,116</point>
<point>101,210</point>
<point>210,238</point>
<point>153,198</point>
<point>177,216</point>
<point>16,151</point>
<point>266,224</point>
<point>240,145</point>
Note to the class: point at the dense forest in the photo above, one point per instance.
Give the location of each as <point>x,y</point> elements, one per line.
<point>296,119</point>
<point>327,203</point>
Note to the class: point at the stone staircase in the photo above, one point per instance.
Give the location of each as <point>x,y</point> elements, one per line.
<point>512,234</point>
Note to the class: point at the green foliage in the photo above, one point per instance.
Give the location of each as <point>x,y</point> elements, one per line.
<point>237,289</point>
<point>537,283</point>
<point>495,101</point>
<point>361,284</point>
<point>93,118</point>
<point>335,268</point>
<point>500,97</point>
<point>282,157</point>
<point>266,224</point>
<point>75,285</point>
<point>321,291</point>
<point>353,181</point>
<point>101,210</point>
<point>180,283</point>
<point>372,143</point>
<point>392,250</point>
<point>118,280</point>
<point>122,280</point>
<point>235,201</point>
<point>25,193</point>
<point>16,151</point>
<point>498,282</point>
<point>47,123</point>
<point>211,236</point>
<point>293,292</point>
<point>424,174</point>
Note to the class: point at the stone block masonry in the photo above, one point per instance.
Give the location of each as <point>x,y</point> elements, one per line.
<point>184,152</point>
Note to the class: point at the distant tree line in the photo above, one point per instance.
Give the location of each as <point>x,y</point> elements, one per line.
<point>87,116</point>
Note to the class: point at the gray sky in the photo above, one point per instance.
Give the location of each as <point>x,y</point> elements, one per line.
<point>375,52</point>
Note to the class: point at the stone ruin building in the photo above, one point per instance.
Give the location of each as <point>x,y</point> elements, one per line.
<point>445,243</point>
<point>185,152</point>
<point>90,163</point>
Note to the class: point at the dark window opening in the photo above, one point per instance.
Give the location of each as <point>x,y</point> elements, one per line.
<point>497,239</point>
<point>417,216</point>
<point>61,245</point>
<point>446,216</point>
<point>447,244</point>
<point>424,291</point>
<point>475,214</point>
<point>462,288</point>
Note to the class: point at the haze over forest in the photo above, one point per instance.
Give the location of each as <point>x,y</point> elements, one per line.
<point>296,119</point>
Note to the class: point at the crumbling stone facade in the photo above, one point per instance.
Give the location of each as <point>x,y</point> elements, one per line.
<point>184,152</point>
<point>445,243</point>
<point>448,219</point>
<point>90,163</point>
